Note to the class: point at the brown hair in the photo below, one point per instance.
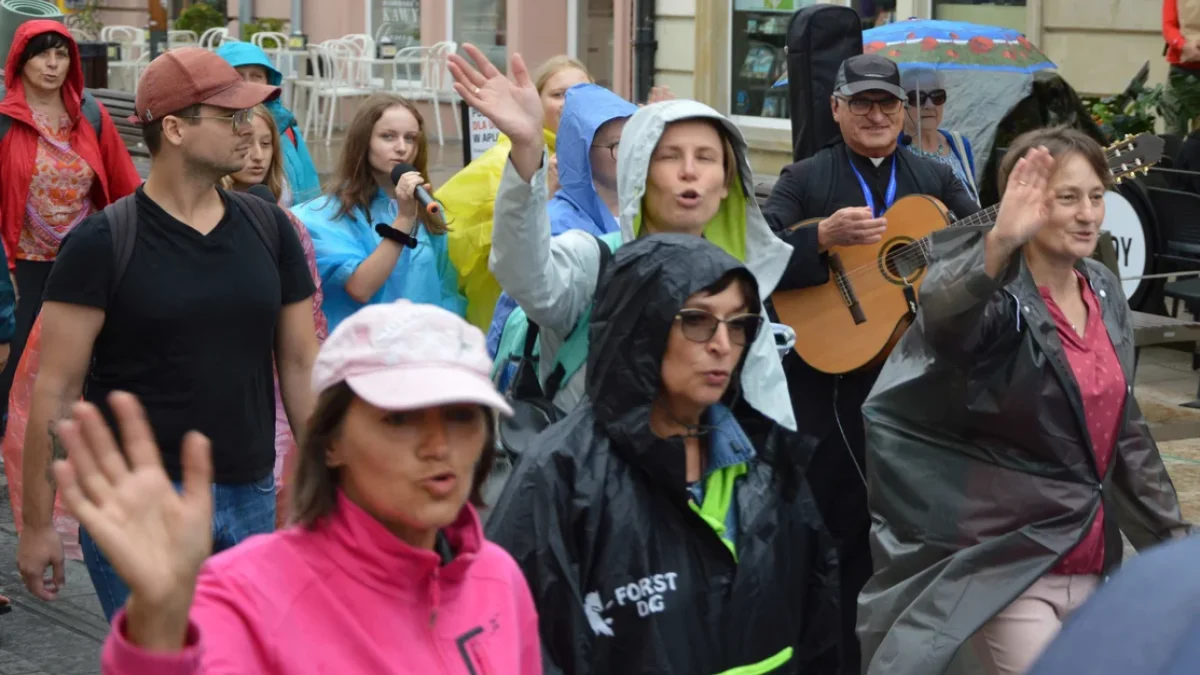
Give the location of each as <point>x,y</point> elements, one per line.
<point>354,184</point>
<point>274,178</point>
<point>315,483</point>
<point>1061,141</point>
<point>555,65</point>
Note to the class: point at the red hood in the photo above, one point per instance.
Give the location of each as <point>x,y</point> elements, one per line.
<point>14,104</point>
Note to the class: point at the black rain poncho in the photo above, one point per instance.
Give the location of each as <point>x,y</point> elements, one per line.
<point>628,577</point>
<point>980,468</point>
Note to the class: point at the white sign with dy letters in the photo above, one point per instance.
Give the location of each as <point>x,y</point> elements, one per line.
<point>481,133</point>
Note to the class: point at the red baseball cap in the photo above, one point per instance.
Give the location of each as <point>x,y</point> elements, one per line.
<point>189,76</point>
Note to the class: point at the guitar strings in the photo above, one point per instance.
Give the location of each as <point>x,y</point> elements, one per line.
<point>983,217</point>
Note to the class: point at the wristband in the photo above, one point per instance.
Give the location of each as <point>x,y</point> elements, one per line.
<point>389,232</point>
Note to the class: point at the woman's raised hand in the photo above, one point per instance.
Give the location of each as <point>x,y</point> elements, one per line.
<point>1025,206</point>
<point>155,537</point>
<point>513,105</point>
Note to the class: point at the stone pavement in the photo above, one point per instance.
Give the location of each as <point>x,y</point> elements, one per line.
<point>58,638</point>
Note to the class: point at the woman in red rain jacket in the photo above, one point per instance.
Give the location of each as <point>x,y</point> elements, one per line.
<point>57,169</point>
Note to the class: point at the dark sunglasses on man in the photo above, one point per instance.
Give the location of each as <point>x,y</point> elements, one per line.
<point>699,325</point>
<point>937,96</point>
<point>862,106</point>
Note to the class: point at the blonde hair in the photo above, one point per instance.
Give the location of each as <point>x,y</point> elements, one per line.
<point>555,65</point>
<point>275,178</point>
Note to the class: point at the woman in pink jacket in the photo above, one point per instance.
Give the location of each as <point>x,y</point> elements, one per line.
<point>386,570</point>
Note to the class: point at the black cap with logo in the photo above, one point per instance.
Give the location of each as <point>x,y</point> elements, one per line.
<point>868,72</point>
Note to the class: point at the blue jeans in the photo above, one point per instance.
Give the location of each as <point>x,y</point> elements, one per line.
<point>239,512</point>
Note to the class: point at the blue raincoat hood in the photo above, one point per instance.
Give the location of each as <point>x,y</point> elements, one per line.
<point>302,176</point>
<point>576,206</point>
<point>240,54</point>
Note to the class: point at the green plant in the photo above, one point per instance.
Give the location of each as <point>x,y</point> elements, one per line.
<point>85,19</point>
<point>1130,113</point>
<point>200,17</point>
<point>262,26</point>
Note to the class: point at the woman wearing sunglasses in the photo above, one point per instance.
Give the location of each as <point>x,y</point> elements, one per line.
<point>926,89</point>
<point>665,526</point>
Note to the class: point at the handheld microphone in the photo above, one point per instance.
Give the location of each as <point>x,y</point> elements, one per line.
<point>423,197</point>
<point>263,192</point>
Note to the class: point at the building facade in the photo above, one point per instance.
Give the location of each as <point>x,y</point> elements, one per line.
<point>1098,47</point>
<point>725,53</point>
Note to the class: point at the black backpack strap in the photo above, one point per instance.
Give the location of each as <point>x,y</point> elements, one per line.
<point>262,216</point>
<point>5,123</point>
<point>606,256</point>
<point>122,223</point>
<point>90,110</point>
<point>531,336</point>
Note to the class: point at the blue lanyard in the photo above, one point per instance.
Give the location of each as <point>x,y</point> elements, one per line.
<point>888,197</point>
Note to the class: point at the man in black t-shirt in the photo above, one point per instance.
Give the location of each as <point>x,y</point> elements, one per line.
<point>849,184</point>
<point>192,326</point>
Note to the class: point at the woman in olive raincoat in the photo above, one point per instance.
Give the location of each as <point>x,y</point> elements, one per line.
<point>1005,450</point>
<point>663,527</point>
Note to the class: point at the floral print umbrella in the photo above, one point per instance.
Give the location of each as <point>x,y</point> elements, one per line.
<point>955,45</point>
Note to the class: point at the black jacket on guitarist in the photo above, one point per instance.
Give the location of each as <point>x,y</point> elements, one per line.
<point>829,407</point>
<point>815,188</point>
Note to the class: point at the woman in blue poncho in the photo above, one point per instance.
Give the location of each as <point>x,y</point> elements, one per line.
<point>254,65</point>
<point>373,243</point>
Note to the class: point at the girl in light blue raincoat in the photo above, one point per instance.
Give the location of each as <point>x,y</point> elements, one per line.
<point>254,65</point>
<point>373,244</point>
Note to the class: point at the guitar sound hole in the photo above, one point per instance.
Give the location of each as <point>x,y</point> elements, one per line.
<point>904,260</point>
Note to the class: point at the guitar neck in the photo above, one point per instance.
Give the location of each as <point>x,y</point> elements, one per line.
<point>982,217</point>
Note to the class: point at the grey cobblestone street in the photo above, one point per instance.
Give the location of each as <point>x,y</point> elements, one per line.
<point>58,638</point>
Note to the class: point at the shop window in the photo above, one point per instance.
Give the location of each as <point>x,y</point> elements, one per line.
<point>758,33</point>
<point>1006,13</point>
<point>484,24</point>
<point>397,21</point>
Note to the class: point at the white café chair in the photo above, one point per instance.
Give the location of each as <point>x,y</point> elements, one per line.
<point>214,37</point>
<point>363,47</point>
<point>427,78</point>
<point>334,64</point>
<point>134,55</point>
<point>182,38</point>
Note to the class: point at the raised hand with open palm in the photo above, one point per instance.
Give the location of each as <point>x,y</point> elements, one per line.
<point>1024,209</point>
<point>1025,205</point>
<point>513,105</point>
<point>155,537</point>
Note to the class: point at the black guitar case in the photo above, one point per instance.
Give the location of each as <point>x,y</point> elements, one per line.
<point>819,38</point>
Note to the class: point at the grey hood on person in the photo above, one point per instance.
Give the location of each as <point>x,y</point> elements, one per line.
<point>766,255</point>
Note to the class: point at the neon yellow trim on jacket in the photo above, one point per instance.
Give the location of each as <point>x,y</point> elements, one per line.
<point>718,499</point>
<point>762,666</point>
<point>469,200</point>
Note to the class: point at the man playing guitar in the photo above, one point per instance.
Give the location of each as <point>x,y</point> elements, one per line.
<point>849,184</point>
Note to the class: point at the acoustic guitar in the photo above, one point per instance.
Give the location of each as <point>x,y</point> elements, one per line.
<point>853,321</point>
